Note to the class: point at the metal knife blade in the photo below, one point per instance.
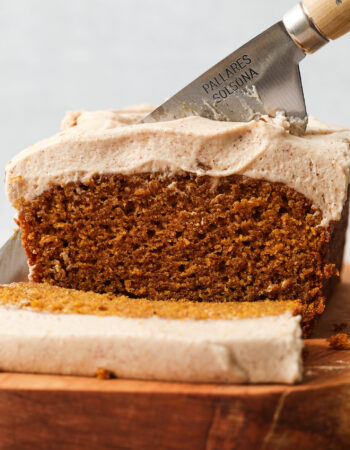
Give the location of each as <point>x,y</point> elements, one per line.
<point>261,77</point>
<point>13,261</point>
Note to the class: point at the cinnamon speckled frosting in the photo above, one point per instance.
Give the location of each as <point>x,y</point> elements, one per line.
<point>316,165</point>
<point>263,350</point>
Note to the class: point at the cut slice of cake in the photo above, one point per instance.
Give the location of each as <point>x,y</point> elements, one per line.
<point>48,329</point>
<point>190,209</point>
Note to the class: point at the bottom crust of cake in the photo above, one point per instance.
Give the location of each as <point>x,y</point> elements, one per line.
<point>184,236</point>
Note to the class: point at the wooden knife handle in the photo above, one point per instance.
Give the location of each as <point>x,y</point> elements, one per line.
<point>331,17</point>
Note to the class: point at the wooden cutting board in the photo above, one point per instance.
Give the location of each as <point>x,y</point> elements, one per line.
<point>52,412</point>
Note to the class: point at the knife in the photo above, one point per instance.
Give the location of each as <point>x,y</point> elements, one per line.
<point>262,77</point>
<point>13,260</point>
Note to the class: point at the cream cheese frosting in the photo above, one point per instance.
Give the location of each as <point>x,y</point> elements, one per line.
<point>256,350</point>
<point>109,142</point>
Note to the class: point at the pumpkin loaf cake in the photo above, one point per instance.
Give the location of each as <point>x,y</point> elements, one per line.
<point>192,209</point>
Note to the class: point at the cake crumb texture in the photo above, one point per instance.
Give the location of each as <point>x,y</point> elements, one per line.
<point>183,236</point>
<point>339,341</point>
<point>340,327</point>
<point>41,297</point>
<point>104,374</point>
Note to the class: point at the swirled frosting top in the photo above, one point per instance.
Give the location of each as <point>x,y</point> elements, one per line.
<point>316,165</point>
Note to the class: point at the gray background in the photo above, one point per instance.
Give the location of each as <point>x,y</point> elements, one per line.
<point>61,55</point>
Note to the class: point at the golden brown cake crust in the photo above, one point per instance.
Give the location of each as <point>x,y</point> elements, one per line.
<point>180,237</point>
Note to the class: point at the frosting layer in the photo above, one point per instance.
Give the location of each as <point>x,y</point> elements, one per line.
<point>316,165</point>
<point>267,349</point>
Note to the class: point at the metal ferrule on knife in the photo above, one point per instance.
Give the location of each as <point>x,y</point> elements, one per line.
<point>302,29</point>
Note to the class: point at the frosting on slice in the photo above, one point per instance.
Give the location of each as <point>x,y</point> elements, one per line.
<point>263,350</point>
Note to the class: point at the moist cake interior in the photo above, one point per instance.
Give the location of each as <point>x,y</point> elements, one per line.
<point>183,236</point>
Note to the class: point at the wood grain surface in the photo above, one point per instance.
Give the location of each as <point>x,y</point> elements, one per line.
<point>54,412</point>
<point>331,17</point>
